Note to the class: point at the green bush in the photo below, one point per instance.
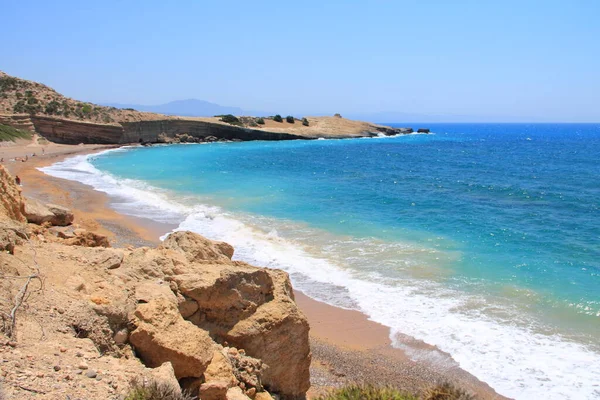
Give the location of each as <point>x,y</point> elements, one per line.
<point>129,109</point>
<point>277,118</point>
<point>289,119</point>
<point>86,109</point>
<point>155,391</point>
<point>231,119</point>
<point>52,108</point>
<point>367,392</point>
<point>8,83</point>
<point>19,107</point>
<point>260,121</point>
<point>304,121</point>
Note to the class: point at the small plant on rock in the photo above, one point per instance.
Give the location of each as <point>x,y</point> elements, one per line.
<point>304,121</point>
<point>289,119</point>
<point>155,391</point>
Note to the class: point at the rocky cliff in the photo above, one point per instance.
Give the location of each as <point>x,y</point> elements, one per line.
<point>183,313</point>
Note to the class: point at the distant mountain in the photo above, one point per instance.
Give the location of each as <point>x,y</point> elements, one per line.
<point>187,108</point>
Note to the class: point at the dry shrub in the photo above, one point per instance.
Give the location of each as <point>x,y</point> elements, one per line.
<point>367,392</point>
<point>154,390</point>
<point>447,391</point>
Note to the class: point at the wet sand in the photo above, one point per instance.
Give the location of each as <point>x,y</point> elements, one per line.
<point>347,347</point>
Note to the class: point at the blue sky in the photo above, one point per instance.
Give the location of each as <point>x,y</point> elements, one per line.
<point>481,60</point>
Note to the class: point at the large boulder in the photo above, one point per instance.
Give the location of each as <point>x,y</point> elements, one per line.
<point>191,296</point>
<point>162,335</point>
<point>226,297</point>
<point>39,213</point>
<point>277,334</point>
<point>62,215</point>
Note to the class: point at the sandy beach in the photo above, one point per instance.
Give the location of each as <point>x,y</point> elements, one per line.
<point>346,346</point>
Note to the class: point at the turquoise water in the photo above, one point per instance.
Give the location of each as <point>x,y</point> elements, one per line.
<point>482,239</point>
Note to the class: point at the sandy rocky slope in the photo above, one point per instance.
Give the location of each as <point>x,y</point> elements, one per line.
<point>89,318</point>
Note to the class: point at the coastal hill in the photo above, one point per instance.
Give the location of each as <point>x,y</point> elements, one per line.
<point>38,108</point>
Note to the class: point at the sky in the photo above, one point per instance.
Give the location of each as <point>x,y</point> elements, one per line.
<point>479,60</point>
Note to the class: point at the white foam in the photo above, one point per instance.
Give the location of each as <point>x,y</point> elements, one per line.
<point>509,355</point>
<point>514,359</point>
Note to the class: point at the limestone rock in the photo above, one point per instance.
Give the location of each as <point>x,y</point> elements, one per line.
<point>145,292</point>
<point>11,202</point>
<point>187,308</point>
<point>229,296</point>
<point>162,335</point>
<point>213,390</point>
<point>107,258</point>
<point>37,212</point>
<point>197,248</point>
<point>87,239</point>
<point>11,235</point>
<point>63,232</point>
<point>268,334</point>
<point>263,396</point>
<point>220,370</point>
<point>62,215</point>
<point>235,393</point>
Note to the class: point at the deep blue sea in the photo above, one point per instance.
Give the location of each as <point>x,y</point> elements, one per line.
<point>480,239</point>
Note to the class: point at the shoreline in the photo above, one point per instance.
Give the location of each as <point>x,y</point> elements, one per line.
<point>347,347</point>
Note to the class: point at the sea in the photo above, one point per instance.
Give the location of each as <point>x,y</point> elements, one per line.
<point>482,240</point>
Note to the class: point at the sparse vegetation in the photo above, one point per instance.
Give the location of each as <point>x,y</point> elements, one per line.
<point>53,108</point>
<point>86,109</point>
<point>230,119</point>
<point>367,392</point>
<point>130,109</point>
<point>289,119</point>
<point>304,121</point>
<point>260,121</point>
<point>8,83</point>
<point>155,391</point>
<point>277,118</point>
<point>444,391</point>
<point>447,391</point>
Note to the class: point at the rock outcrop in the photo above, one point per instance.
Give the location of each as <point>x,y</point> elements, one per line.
<point>220,328</point>
<point>211,302</point>
<point>38,213</point>
<point>11,201</point>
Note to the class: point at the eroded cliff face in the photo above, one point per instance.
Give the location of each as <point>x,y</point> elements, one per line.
<point>149,131</point>
<point>219,328</point>
<point>67,131</point>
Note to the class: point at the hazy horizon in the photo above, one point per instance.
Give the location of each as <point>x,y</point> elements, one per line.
<point>471,62</point>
